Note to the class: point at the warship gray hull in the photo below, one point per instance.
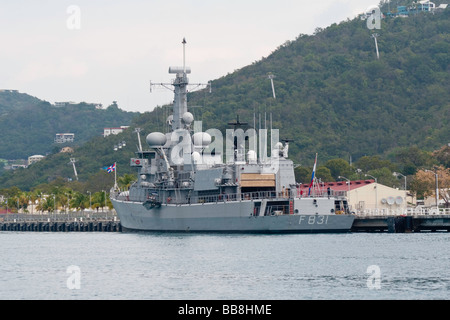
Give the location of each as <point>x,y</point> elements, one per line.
<point>224,217</point>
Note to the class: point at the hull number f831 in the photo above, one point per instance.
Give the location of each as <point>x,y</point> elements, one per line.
<point>313,219</point>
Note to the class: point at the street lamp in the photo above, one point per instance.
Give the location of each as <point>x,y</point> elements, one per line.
<point>376,191</point>
<point>54,206</point>
<point>67,195</point>
<point>437,188</point>
<point>396,174</point>
<point>106,209</point>
<point>90,202</point>
<point>348,193</point>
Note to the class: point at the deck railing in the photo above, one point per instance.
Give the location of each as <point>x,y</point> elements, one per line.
<point>417,211</point>
<point>61,216</point>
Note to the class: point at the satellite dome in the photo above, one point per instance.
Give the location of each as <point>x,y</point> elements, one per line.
<point>201,139</point>
<point>390,201</point>
<point>156,139</point>
<point>251,156</point>
<point>188,117</point>
<point>196,157</point>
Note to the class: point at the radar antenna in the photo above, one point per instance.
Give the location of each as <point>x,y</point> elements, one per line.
<point>237,123</point>
<point>375,36</point>
<point>138,130</point>
<point>185,70</point>
<point>374,22</point>
<point>72,161</point>
<point>271,76</point>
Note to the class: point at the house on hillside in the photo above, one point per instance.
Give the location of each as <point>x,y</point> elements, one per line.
<point>364,196</point>
<point>115,130</point>
<point>35,158</point>
<point>66,150</point>
<point>64,137</point>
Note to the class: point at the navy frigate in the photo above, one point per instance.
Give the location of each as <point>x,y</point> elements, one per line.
<point>187,183</point>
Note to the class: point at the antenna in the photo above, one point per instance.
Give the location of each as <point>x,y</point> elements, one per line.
<point>237,123</point>
<point>374,22</point>
<point>178,70</point>
<point>184,55</point>
<point>72,161</point>
<point>375,35</point>
<point>271,122</point>
<point>138,130</point>
<point>271,76</point>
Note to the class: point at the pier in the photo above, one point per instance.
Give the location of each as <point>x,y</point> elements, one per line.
<point>101,222</point>
<point>401,223</point>
<point>61,222</point>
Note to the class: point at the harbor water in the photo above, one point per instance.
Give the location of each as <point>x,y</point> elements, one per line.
<point>187,266</point>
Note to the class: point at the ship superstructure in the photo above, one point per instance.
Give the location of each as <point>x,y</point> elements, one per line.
<point>194,180</point>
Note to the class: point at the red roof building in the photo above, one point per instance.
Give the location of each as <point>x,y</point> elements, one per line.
<point>337,188</point>
<point>363,196</point>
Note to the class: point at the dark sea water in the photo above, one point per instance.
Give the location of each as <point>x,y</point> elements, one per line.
<point>94,265</point>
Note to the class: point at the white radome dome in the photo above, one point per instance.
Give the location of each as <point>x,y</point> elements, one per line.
<point>251,156</point>
<point>201,139</point>
<point>156,139</point>
<point>188,117</point>
<point>196,157</point>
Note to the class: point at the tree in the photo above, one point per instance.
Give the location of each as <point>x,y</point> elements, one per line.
<point>368,163</point>
<point>424,184</point>
<point>412,158</point>
<point>443,156</point>
<point>126,180</point>
<point>324,174</point>
<point>79,201</point>
<point>47,204</point>
<point>99,200</point>
<point>302,174</point>
<point>385,176</point>
<point>339,167</point>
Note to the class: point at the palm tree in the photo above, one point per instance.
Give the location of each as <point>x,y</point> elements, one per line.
<point>46,203</point>
<point>79,201</point>
<point>126,180</point>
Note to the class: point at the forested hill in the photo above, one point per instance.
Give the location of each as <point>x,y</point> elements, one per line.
<point>335,98</point>
<point>29,125</point>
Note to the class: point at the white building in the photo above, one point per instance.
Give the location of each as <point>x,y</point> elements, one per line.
<point>114,130</point>
<point>35,158</point>
<point>366,196</point>
<point>64,137</point>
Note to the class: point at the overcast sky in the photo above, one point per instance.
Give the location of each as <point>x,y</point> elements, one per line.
<point>105,50</point>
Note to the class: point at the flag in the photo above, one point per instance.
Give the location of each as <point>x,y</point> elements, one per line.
<point>312,178</point>
<point>111,168</point>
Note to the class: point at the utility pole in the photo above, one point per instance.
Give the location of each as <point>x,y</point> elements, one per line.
<point>271,76</point>
<point>72,161</point>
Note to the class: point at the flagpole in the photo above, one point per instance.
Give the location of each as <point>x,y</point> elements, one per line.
<point>115,176</point>
<point>313,176</point>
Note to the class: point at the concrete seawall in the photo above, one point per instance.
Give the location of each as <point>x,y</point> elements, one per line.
<point>78,222</point>
<point>401,224</point>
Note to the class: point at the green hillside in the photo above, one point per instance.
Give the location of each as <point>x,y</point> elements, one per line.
<point>29,125</point>
<point>12,100</point>
<point>333,97</point>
